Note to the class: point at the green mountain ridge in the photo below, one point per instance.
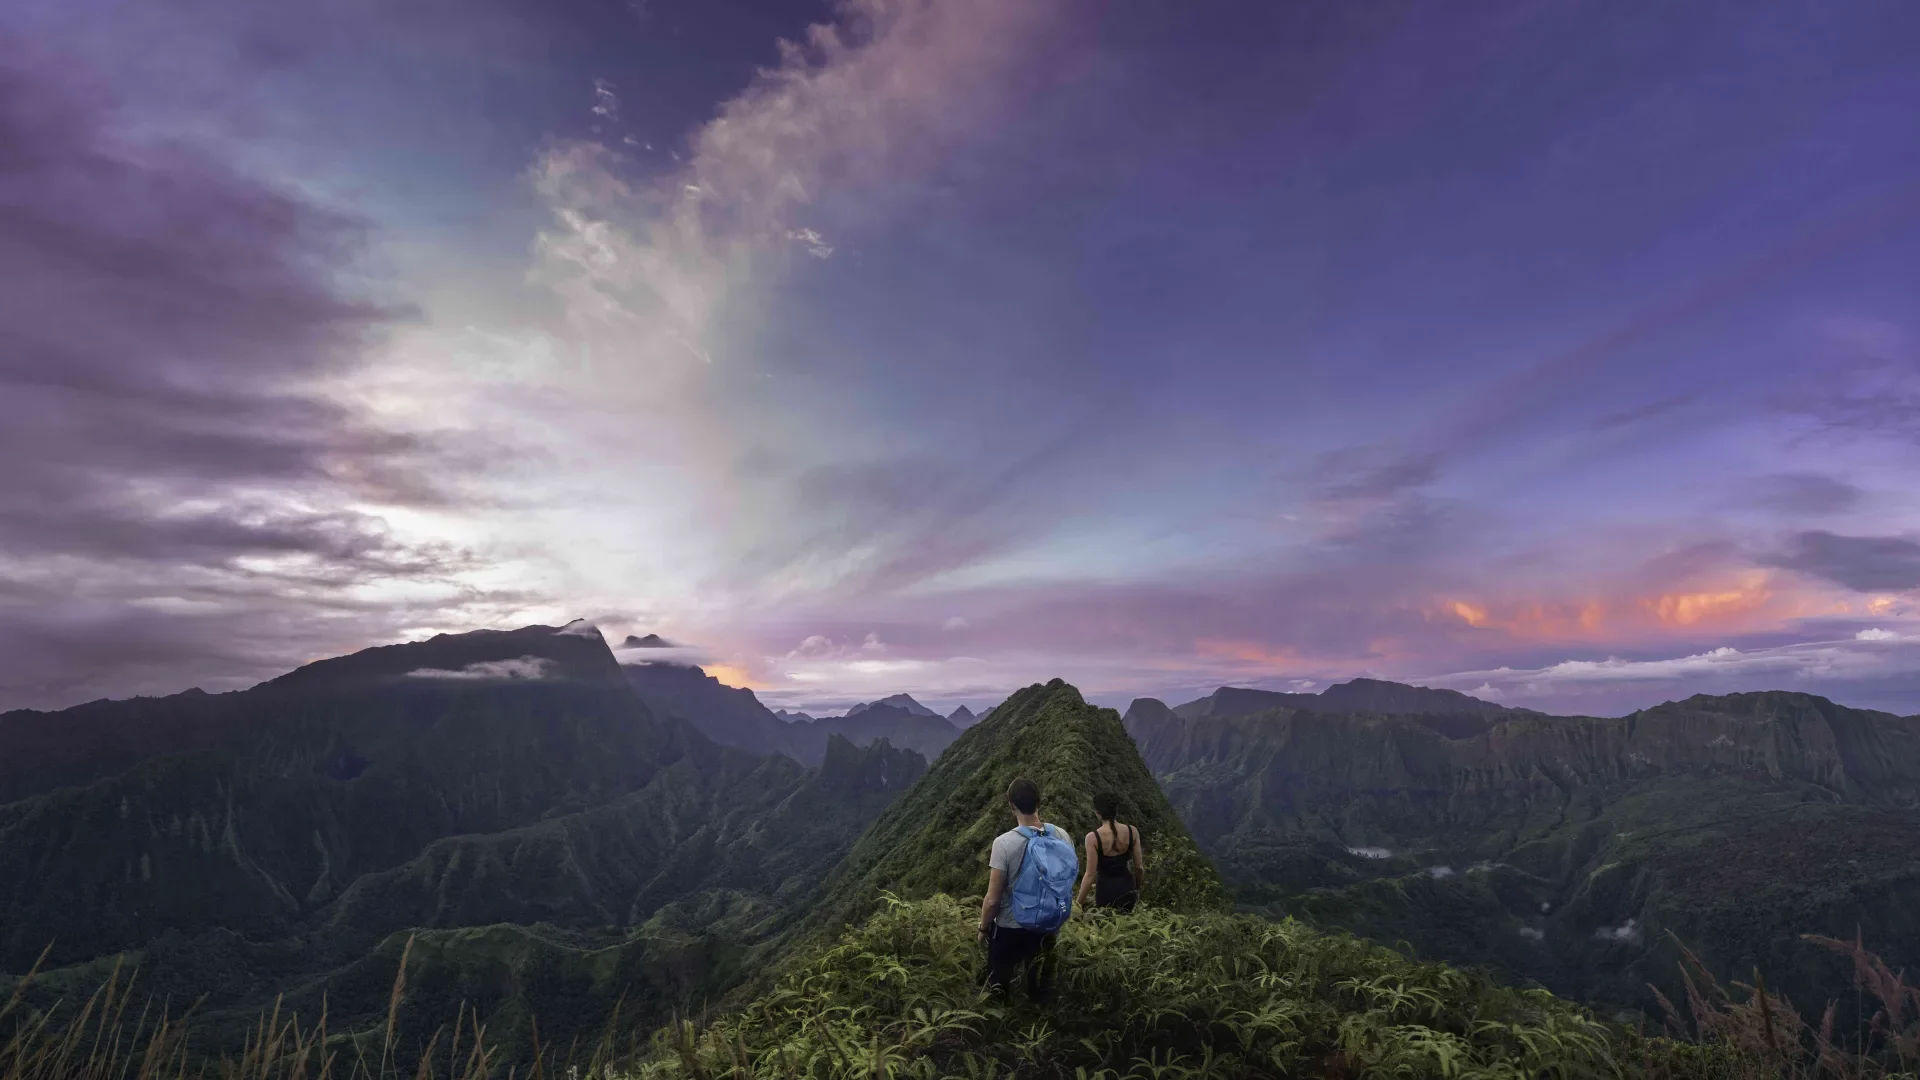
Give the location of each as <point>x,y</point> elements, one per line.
<point>1564,849</point>
<point>734,717</point>
<point>541,814</point>
<point>554,847</point>
<point>885,978</point>
<point>936,837</point>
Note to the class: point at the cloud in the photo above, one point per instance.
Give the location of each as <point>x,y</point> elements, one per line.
<point>171,326</point>
<point>1804,494</point>
<point>606,103</point>
<point>665,284</point>
<point>1861,563</point>
<point>1867,385</point>
<point>813,645</point>
<point>1627,933</point>
<point>1643,412</point>
<point>1367,473</point>
<point>956,622</point>
<point>1868,667</point>
<point>521,667</point>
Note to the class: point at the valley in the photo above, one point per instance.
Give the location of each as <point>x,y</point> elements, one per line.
<point>550,841</point>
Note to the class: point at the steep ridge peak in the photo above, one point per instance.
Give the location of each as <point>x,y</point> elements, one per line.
<point>962,718</point>
<point>575,652</point>
<point>1377,696</point>
<point>929,734</point>
<point>935,838</point>
<point>877,767</point>
<point>1355,695</point>
<point>1230,701</point>
<point>903,702</point>
<point>730,716</point>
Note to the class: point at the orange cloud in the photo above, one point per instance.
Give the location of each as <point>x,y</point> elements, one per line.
<point>1471,614</point>
<point>730,676</point>
<point>1248,652</point>
<point>1750,600</point>
<point>1712,605</point>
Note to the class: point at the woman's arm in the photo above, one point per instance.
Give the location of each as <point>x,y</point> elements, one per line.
<point>1086,879</point>
<point>1139,862</point>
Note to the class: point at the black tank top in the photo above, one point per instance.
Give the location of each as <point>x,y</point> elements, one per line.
<point>1117,865</point>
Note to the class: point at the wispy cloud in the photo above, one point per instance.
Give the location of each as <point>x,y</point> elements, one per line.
<point>1863,563</point>
<point>178,465</point>
<point>523,667</point>
<point>1803,494</point>
<point>1861,663</point>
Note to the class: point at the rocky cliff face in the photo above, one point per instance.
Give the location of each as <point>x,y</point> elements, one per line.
<point>735,717</point>
<point>517,806</point>
<point>1442,780</point>
<point>1563,848</point>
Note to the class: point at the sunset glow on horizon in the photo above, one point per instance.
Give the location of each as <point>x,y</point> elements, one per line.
<point>1566,355</point>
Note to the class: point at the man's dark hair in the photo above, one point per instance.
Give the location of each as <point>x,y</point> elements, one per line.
<point>1107,805</point>
<point>1024,794</point>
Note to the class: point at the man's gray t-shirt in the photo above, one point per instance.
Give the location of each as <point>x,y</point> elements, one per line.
<point>1009,851</point>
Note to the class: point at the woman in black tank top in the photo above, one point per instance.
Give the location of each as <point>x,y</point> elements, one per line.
<point>1116,866</point>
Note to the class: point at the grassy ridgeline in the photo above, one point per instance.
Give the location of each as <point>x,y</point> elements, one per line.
<point>883,979</point>
<point>935,838</point>
<point>1158,993</point>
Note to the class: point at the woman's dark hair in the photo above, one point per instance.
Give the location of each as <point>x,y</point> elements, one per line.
<point>1106,805</point>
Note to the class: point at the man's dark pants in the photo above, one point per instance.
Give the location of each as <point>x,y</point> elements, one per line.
<point>1009,947</point>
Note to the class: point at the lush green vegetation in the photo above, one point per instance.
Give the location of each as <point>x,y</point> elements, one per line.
<point>468,881</point>
<point>1568,850</point>
<point>553,849</point>
<point>1155,994</point>
<point>935,838</point>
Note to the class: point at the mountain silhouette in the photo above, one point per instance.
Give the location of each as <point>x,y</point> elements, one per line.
<point>902,702</point>
<point>1560,848</point>
<point>518,810</point>
<point>735,717</point>
<point>935,838</point>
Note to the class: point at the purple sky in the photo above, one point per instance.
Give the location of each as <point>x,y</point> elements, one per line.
<point>1564,353</point>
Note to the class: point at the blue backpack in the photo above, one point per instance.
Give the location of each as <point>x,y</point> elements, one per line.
<point>1043,889</point>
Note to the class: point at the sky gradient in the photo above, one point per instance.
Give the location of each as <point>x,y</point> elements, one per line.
<point>1567,354</point>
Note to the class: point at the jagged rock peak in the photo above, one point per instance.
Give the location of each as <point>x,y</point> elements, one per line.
<point>903,702</point>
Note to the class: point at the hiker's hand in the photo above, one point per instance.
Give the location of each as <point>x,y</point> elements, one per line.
<point>982,937</point>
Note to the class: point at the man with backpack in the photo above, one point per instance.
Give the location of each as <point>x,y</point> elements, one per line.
<point>1032,870</point>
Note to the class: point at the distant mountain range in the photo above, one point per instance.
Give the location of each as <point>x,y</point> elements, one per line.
<point>502,796</point>
<point>1561,849</point>
<point>557,832</point>
<point>961,718</point>
<point>735,717</point>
